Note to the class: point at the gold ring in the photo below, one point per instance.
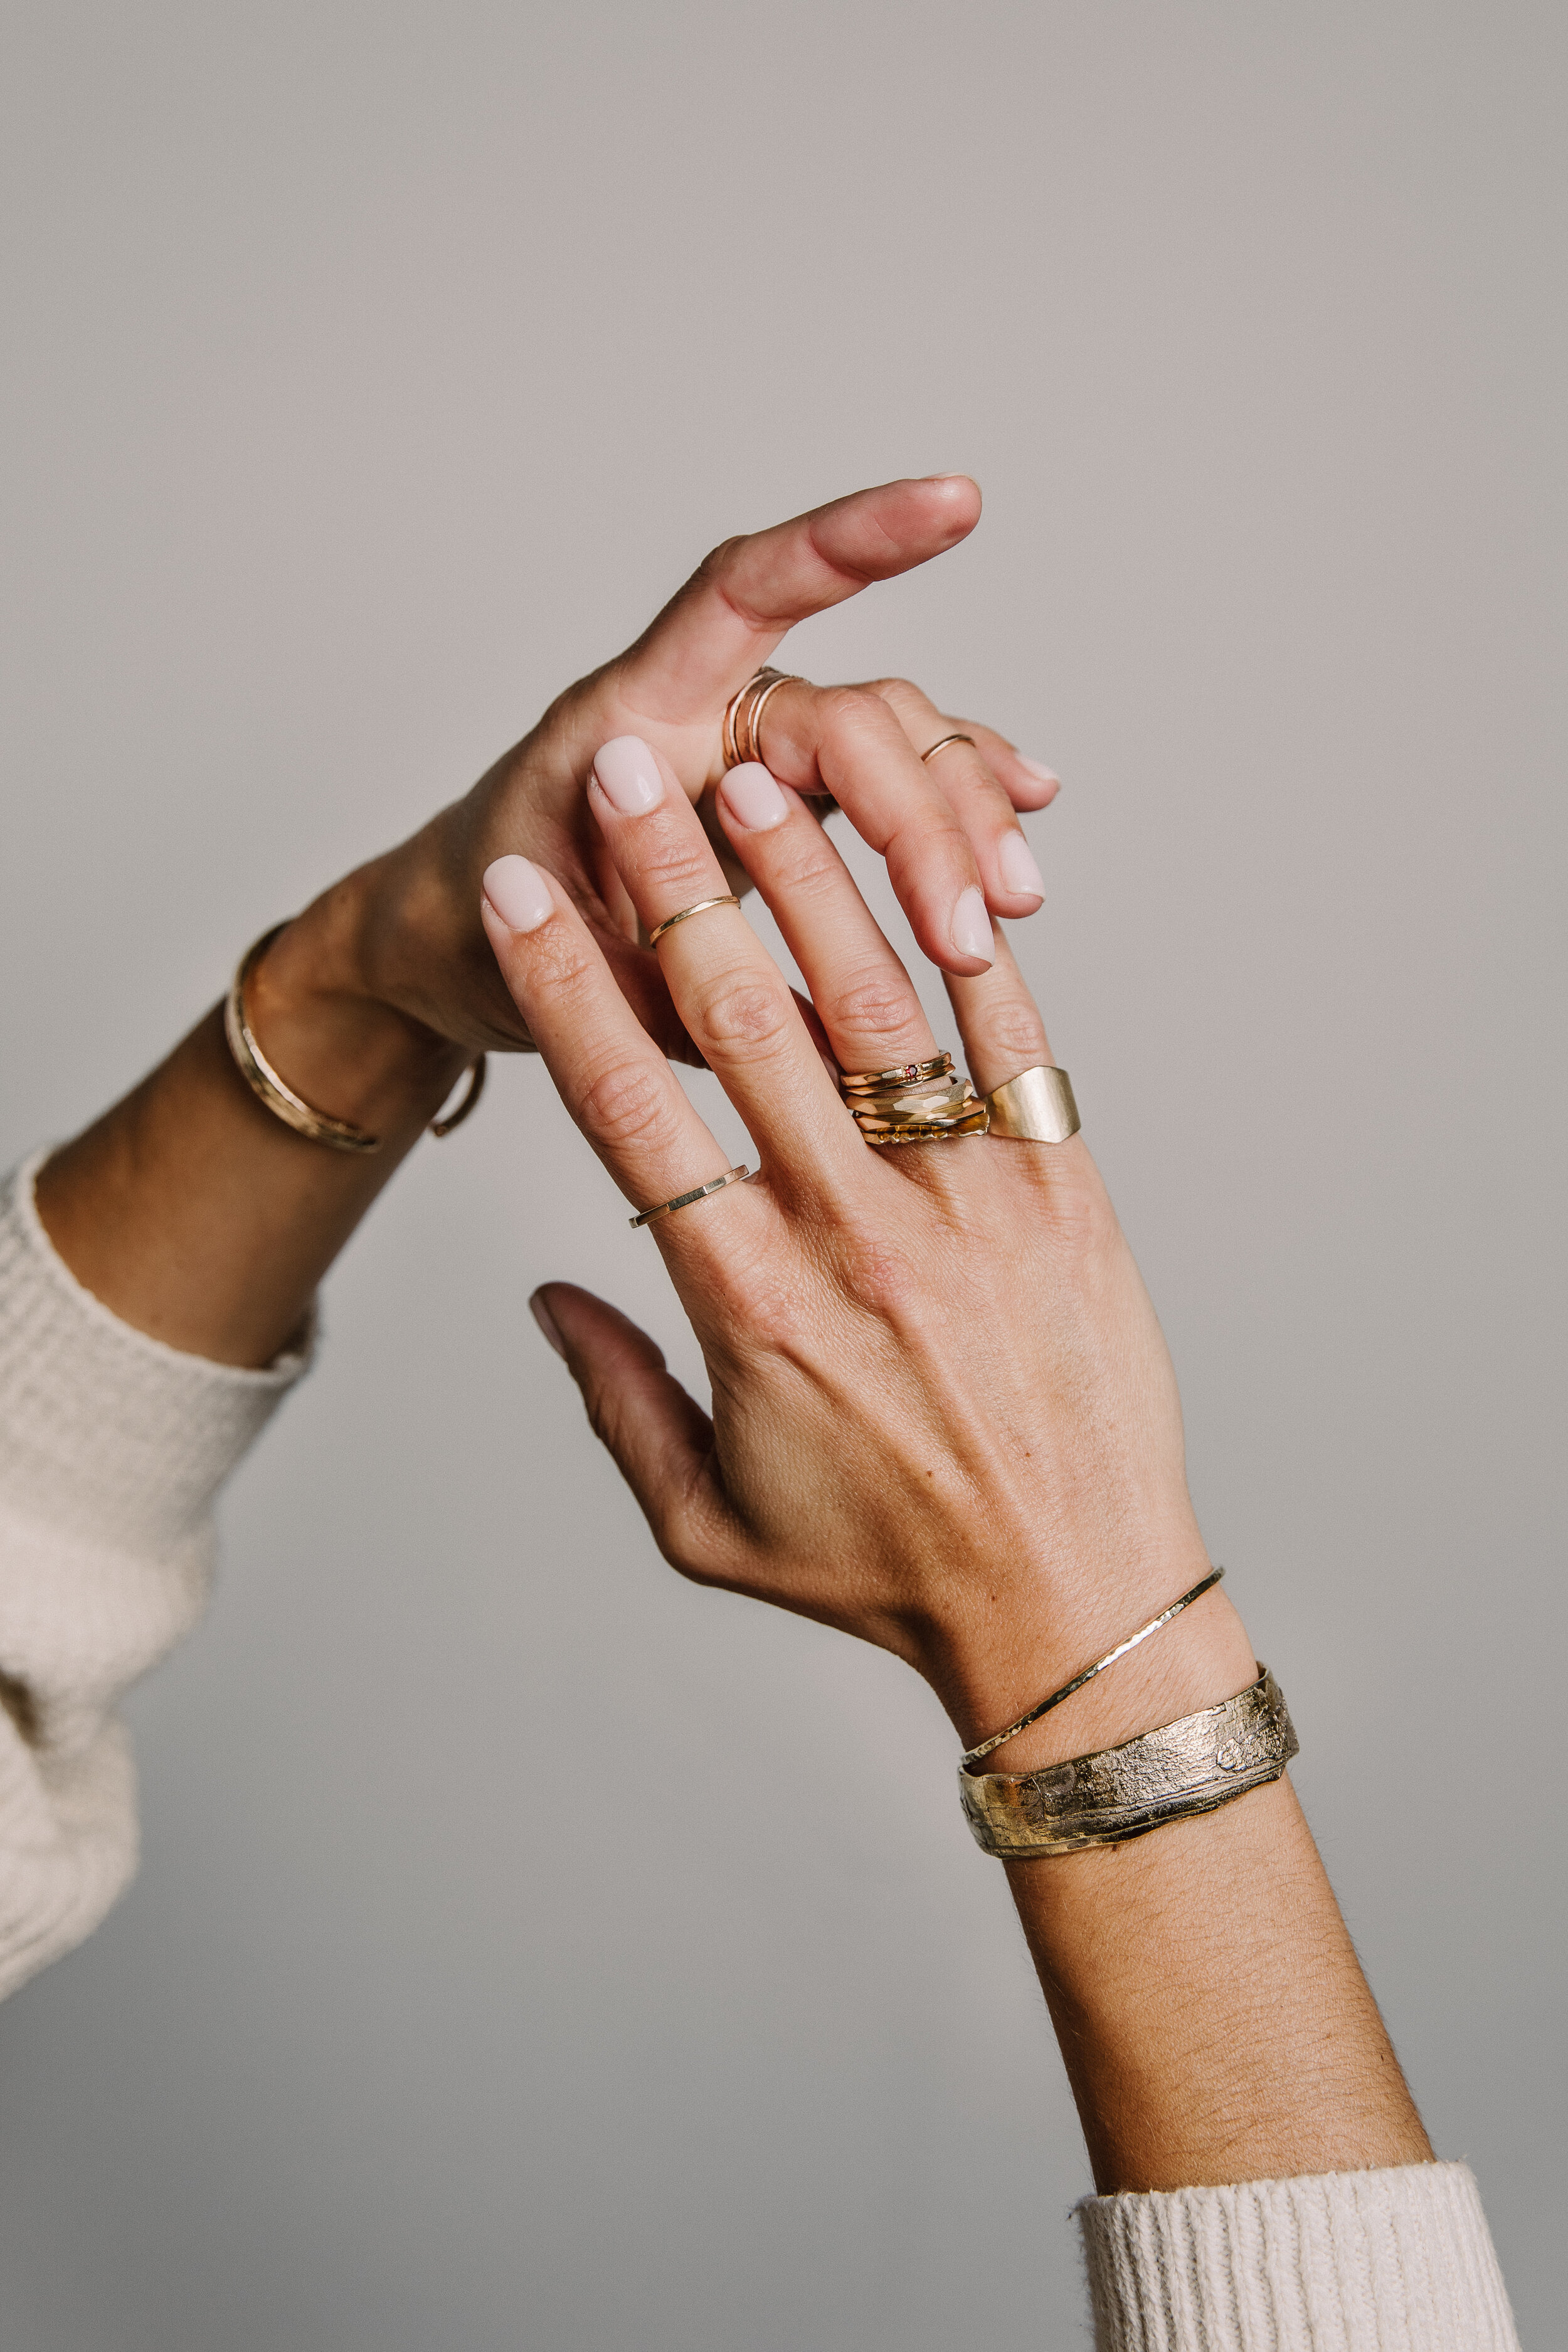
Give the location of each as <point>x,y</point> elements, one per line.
<point>686,914</point>
<point>743,716</point>
<point>943,741</point>
<point>908,1074</point>
<point>1036,1106</point>
<point>685,1200</point>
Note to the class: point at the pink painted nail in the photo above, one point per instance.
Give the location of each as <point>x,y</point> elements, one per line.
<point>628,775</point>
<point>1015,864</point>
<point>1042,775</point>
<point>517,893</point>
<point>971,928</point>
<point>754,799</point>
<point>547,1324</point>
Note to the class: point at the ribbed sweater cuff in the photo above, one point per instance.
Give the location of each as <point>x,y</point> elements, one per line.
<point>1396,2260</point>
<point>105,1432</point>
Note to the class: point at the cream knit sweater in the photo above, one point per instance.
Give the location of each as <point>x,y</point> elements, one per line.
<point>113,1448</point>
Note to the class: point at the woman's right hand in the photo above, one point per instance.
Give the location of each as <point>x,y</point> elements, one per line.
<point>944,1419</point>
<point>398,943</point>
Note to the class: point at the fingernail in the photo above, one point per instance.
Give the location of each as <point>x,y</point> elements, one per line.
<point>754,799</point>
<point>546,1322</point>
<point>517,891</point>
<point>1015,864</point>
<point>1041,775</point>
<point>628,775</point>
<point>971,931</point>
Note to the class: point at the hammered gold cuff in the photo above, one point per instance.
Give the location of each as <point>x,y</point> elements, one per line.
<point>1187,1767</point>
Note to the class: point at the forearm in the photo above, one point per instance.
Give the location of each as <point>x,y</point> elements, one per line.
<point>195,1214</point>
<point>1213,2017</point>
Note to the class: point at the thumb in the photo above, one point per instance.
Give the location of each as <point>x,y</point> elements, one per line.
<point>661,1439</point>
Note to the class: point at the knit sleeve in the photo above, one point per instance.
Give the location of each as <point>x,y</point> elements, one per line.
<point>113,1447</point>
<point>1396,2260</point>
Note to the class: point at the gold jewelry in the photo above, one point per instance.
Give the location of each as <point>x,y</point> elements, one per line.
<point>1036,1106</point>
<point>442,1127</point>
<point>907,1073</point>
<point>919,1102</point>
<point>700,908</point>
<point>278,1096</point>
<point>744,718</point>
<point>1186,1768</point>
<point>973,1756</point>
<point>685,1200</point>
<point>943,741</point>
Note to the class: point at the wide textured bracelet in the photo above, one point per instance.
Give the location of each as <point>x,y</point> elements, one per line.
<point>1186,1768</point>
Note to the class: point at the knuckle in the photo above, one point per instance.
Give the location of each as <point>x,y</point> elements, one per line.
<point>741,1014</point>
<point>629,1102</point>
<point>1015,1039</point>
<point>676,869</point>
<point>903,697</point>
<point>873,1005</point>
<point>854,713</point>
<point>880,1275</point>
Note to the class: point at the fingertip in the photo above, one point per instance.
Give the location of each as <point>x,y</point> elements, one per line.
<point>959,496</point>
<point>539,1308</point>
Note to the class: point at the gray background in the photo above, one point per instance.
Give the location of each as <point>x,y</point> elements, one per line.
<point>371,370</point>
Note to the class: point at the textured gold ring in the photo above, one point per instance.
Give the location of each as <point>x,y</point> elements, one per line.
<point>685,1200</point>
<point>686,913</point>
<point>943,741</point>
<point>907,1073</point>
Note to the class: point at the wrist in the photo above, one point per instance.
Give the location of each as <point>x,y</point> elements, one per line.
<point>315,1005</point>
<point>1035,1634</point>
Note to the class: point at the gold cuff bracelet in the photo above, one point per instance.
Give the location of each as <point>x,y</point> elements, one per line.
<point>1183,1768</point>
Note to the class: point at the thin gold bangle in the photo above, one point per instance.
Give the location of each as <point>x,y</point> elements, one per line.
<point>971,1756</point>
<point>276,1095</point>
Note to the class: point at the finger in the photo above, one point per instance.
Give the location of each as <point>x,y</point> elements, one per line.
<point>613,1079</point>
<point>746,594</point>
<point>730,993</point>
<point>999,1023</point>
<point>847,741</point>
<point>661,1439</point>
<point>963,774</point>
<point>1028,783</point>
<point>862,992</point>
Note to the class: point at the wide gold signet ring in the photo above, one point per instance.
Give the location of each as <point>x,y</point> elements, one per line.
<point>1036,1106</point>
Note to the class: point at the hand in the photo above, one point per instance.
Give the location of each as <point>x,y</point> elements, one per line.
<point>402,933</point>
<point>944,1418</point>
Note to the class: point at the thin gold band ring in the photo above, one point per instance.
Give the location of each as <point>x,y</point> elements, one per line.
<point>742,719</point>
<point>943,741</point>
<point>686,913</point>
<point>685,1200</point>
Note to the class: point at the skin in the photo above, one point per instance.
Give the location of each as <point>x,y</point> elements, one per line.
<point>971,1456</point>
<point>198,1217</point>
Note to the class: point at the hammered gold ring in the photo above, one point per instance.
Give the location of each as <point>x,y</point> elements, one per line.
<point>744,718</point>
<point>943,741</point>
<point>700,907</point>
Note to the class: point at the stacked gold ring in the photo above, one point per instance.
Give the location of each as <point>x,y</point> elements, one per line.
<point>918,1102</point>
<point>744,718</point>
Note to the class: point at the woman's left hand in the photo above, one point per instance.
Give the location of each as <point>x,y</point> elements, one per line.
<point>402,932</point>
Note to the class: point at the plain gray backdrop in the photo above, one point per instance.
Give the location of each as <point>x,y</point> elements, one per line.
<point>371,370</point>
